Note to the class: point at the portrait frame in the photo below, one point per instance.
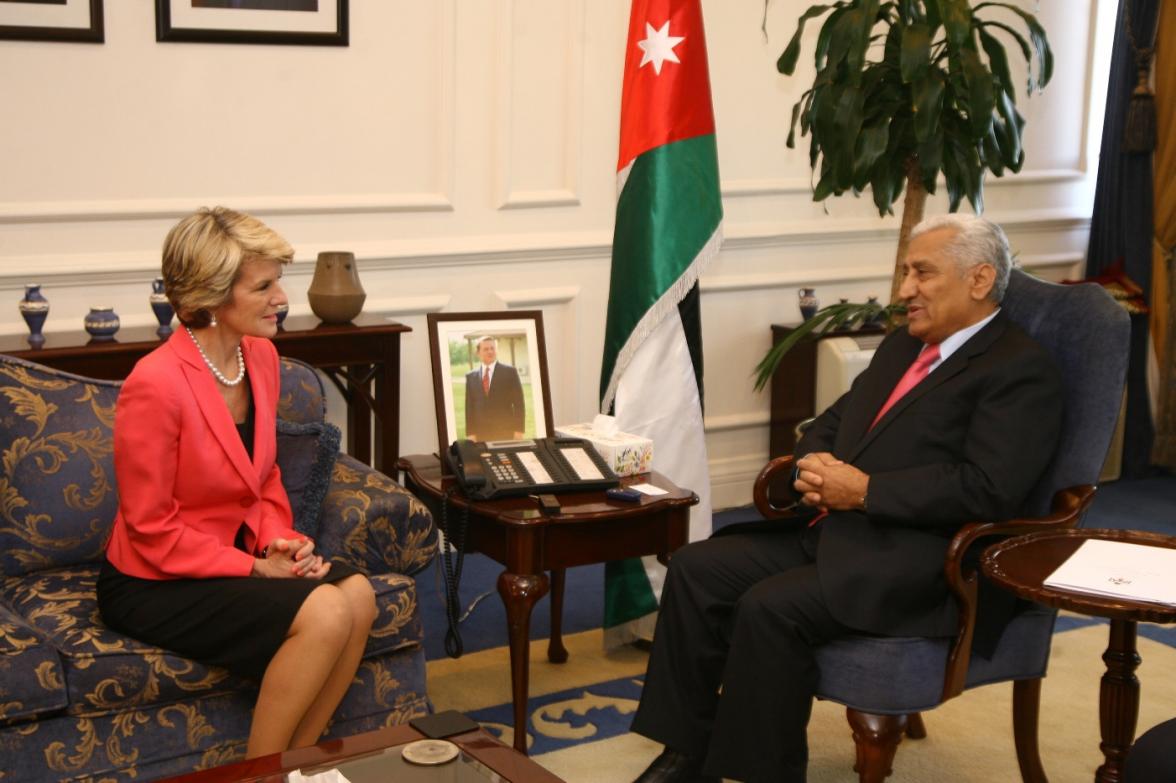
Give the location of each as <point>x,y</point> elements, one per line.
<point>520,344</point>
<point>76,21</point>
<point>182,21</point>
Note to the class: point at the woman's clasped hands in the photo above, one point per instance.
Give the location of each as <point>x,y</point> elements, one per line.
<point>286,558</point>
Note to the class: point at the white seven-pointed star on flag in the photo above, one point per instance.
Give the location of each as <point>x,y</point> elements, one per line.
<point>659,46</point>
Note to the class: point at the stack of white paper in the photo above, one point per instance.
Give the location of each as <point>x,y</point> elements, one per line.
<point>1119,570</point>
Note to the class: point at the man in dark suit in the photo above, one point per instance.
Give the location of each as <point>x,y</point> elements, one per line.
<point>954,420</point>
<point>494,397</point>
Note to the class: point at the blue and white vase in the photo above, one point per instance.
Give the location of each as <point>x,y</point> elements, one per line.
<point>283,311</point>
<point>809,304</point>
<point>102,323</point>
<point>161,307</point>
<point>34,308</point>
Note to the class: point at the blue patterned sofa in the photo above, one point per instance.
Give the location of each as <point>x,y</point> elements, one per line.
<point>81,702</point>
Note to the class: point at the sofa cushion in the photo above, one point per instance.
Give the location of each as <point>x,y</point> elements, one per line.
<point>57,493</point>
<point>306,457</point>
<point>31,682</point>
<point>105,670</point>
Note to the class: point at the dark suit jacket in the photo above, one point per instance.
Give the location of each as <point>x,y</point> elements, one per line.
<point>966,444</point>
<point>499,414</point>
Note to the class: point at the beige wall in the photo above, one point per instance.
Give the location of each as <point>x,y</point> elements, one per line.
<point>465,151</point>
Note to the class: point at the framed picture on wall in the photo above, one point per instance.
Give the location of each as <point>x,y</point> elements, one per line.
<point>306,22</point>
<point>489,376</point>
<point>52,20</point>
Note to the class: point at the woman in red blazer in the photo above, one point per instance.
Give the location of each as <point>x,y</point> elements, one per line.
<point>203,558</point>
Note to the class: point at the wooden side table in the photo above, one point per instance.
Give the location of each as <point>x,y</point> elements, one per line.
<point>588,529</point>
<point>361,358</point>
<point>1021,564</point>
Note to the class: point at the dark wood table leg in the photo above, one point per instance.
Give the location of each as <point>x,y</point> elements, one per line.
<point>1118,701</point>
<point>387,401</point>
<point>556,652</point>
<point>519,593</point>
<point>359,414</point>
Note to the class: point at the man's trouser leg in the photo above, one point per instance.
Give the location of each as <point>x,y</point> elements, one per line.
<point>706,581</point>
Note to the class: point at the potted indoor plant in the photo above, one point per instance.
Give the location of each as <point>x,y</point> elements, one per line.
<point>904,91</point>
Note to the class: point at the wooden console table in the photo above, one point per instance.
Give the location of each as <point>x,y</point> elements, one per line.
<point>589,528</point>
<point>361,358</point>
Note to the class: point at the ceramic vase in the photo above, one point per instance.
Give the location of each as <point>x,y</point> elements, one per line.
<point>878,318</point>
<point>809,304</point>
<point>283,311</point>
<point>335,293</point>
<point>102,323</point>
<point>34,308</point>
<point>161,307</point>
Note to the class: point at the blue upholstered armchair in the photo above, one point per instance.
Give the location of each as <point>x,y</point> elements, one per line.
<point>81,702</point>
<point>886,682</point>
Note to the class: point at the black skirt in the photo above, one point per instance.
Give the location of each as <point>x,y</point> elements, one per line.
<point>234,622</point>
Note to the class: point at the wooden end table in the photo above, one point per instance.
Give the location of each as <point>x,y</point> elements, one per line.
<point>361,358</point>
<point>375,755</point>
<point>1021,564</point>
<point>588,529</point>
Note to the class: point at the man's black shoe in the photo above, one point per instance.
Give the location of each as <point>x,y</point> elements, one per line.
<point>674,767</point>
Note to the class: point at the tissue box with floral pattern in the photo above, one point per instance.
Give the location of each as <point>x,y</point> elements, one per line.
<point>626,454</point>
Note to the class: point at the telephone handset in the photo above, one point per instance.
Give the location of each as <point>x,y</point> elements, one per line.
<point>522,467</point>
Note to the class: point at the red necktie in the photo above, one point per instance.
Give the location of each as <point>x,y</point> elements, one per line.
<point>910,379</point>
<point>485,380</point>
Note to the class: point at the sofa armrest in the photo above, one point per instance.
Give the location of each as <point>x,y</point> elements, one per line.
<point>374,524</point>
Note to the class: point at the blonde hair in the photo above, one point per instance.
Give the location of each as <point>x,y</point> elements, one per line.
<point>203,255</point>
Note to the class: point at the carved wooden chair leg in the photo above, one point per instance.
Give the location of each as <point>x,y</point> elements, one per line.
<point>876,738</point>
<point>1026,706</point>
<point>915,728</point>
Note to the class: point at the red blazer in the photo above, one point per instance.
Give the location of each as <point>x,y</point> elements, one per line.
<point>185,482</point>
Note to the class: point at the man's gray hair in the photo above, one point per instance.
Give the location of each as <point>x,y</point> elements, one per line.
<point>976,241</point>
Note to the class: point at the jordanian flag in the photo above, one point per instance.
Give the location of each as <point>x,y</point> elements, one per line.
<point>669,224</point>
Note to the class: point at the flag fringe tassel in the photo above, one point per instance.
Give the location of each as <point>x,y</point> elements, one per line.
<point>665,304</point>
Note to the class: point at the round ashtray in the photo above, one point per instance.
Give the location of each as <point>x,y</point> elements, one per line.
<point>429,752</point>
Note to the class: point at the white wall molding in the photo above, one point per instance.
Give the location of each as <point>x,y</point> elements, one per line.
<point>538,297</point>
<point>566,192</point>
<point>736,421</point>
<point>743,188</point>
<point>131,267</point>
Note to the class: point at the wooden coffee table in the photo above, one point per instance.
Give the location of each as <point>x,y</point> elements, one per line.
<point>375,756</point>
<point>589,528</point>
<point>1021,564</point>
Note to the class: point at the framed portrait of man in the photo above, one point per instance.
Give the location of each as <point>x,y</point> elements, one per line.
<point>489,376</point>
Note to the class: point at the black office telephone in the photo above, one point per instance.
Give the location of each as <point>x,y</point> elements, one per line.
<point>523,467</point>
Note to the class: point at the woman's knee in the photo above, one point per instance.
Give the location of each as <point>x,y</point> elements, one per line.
<point>362,599</point>
<point>326,612</point>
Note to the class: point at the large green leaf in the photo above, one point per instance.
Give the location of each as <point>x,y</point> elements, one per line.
<point>930,158</point>
<point>993,157</point>
<point>871,145</point>
<point>787,62</point>
<point>1040,44</point>
<point>848,123</point>
<point>826,35</point>
<point>916,51</point>
<point>981,97</point>
<point>956,16</point>
<point>998,60</point>
<point>927,101</point>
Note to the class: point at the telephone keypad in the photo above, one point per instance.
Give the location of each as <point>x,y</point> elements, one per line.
<point>503,469</point>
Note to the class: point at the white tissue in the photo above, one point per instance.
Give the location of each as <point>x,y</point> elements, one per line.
<point>328,776</point>
<point>604,424</point>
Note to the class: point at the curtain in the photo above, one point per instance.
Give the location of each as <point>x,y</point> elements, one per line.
<point>1121,225</point>
<point>1163,321</point>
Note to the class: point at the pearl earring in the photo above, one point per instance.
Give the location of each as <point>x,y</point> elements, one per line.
<point>212,322</point>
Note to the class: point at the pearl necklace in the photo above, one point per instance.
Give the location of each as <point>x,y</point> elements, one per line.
<point>220,376</point>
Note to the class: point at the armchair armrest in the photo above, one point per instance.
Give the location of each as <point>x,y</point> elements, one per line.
<point>372,523</point>
<point>778,469</point>
<point>1068,507</point>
